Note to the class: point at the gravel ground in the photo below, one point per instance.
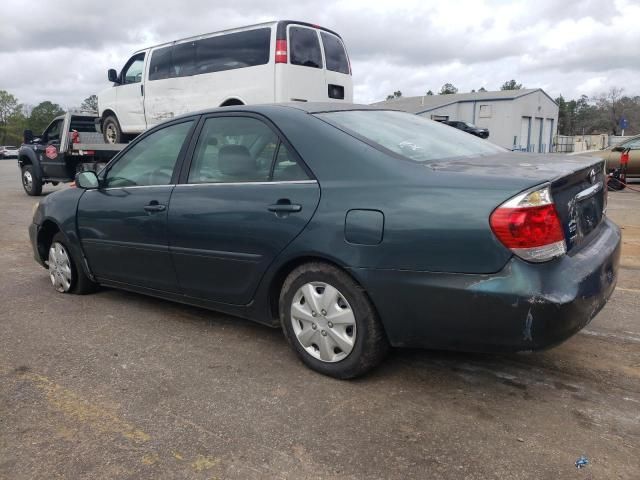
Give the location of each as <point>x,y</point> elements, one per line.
<point>118,385</point>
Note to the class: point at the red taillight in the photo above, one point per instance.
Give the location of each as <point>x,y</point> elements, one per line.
<point>281,51</point>
<point>529,225</point>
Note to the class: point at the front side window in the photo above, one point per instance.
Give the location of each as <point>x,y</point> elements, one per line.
<point>133,72</point>
<point>334,54</point>
<point>409,136</point>
<point>233,149</point>
<point>305,47</point>
<point>150,161</point>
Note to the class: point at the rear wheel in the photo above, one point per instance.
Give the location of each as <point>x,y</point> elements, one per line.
<point>111,130</point>
<point>65,271</point>
<point>31,181</point>
<point>330,322</point>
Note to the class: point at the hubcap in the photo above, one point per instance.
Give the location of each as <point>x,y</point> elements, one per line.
<point>59,267</point>
<point>27,180</point>
<point>323,322</point>
<point>111,133</point>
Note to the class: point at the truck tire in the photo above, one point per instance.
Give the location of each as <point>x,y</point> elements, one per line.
<point>111,130</point>
<point>31,181</point>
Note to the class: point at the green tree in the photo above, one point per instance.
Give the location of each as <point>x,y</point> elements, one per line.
<point>42,114</point>
<point>396,94</point>
<point>482,89</point>
<point>511,85</point>
<point>90,103</point>
<point>9,108</point>
<point>429,92</point>
<point>448,89</point>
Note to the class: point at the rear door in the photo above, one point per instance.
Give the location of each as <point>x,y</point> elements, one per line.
<point>304,78</point>
<point>247,196</point>
<point>123,224</point>
<point>337,68</point>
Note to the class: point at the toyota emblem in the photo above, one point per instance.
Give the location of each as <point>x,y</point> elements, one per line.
<point>592,176</point>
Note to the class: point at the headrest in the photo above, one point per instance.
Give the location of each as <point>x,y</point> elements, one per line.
<point>236,161</point>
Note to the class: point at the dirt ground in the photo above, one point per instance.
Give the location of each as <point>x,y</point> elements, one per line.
<point>118,385</point>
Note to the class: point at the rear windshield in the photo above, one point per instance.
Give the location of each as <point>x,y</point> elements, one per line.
<point>83,124</point>
<point>410,136</point>
<point>334,53</point>
<point>305,47</point>
<point>213,54</point>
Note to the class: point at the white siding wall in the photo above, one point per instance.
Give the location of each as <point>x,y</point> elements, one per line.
<point>505,123</point>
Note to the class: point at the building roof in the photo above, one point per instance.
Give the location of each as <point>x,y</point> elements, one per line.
<point>427,103</point>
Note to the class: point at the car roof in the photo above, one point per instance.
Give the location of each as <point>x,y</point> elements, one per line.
<point>307,107</point>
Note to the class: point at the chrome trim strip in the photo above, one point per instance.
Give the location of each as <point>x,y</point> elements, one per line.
<point>589,192</point>
<point>291,182</point>
<point>283,182</point>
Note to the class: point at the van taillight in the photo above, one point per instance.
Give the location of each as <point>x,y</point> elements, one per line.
<point>529,226</point>
<point>281,51</point>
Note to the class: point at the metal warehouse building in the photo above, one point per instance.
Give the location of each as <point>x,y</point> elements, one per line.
<point>525,119</point>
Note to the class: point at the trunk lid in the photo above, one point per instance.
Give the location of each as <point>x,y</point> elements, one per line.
<point>578,184</point>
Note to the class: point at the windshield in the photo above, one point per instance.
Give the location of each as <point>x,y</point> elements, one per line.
<point>410,136</point>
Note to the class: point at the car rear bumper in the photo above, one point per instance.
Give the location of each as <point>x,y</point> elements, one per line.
<point>523,307</point>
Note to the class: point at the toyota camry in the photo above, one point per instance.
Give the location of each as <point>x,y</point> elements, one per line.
<point>352,228</point>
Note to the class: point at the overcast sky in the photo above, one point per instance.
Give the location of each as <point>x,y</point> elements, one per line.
<point>61,50</point>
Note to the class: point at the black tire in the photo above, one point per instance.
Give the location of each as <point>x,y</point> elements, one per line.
<point>111,131</point>
<point>31,181</point>
<point>370,345</point>
<point>81,284</point>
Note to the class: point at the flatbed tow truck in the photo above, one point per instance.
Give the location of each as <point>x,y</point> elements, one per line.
<point>70,144</point>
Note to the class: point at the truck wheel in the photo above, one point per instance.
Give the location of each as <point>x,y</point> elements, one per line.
<point>111,130</point>
<point>31,182</point>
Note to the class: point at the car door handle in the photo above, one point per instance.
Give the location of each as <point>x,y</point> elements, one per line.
<point>285,206</point>
<point>155,207</point>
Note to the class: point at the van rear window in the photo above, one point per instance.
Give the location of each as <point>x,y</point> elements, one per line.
<point>334,53</point>
<point>305,47</point>
<point>213,54</point>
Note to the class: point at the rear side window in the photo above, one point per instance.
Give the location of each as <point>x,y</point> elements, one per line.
<point>305,47</point>
<point>183,60</point>
<point>334,54</point>
<point>160,65</point>
<point>234,50</point>
<point>214,54</point>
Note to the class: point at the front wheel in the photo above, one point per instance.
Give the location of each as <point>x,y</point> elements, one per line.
<point>111,130</point>
<point>31,182</point>
<point>65,271</point>
<point>330,322</point>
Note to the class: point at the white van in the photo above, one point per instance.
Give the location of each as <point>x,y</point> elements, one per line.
<point>271,62</point>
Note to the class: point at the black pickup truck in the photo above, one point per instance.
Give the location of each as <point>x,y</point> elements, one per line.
<point>69,144</point>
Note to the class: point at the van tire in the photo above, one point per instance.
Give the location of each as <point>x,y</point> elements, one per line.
<point>111,130</point>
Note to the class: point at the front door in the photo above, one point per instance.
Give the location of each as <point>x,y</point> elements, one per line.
<point>246,198</point>
<point>130,95</point>
<point>52,161</point>
<point>123,224</point>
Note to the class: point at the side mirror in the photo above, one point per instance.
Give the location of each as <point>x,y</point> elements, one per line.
<point>87,180</point>
<point>27,136</point>
<point>113,76</point>
<point>618,148</point>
